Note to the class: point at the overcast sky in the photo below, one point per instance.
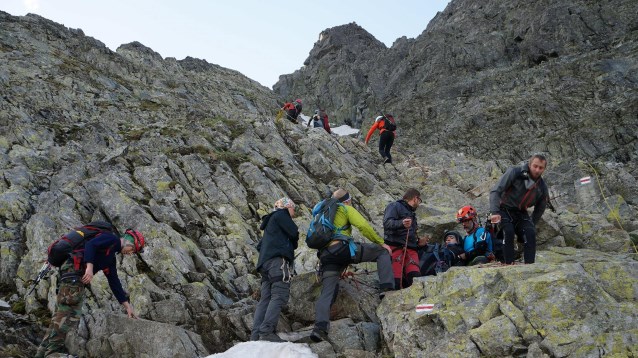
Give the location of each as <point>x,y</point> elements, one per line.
<point>261,39</point>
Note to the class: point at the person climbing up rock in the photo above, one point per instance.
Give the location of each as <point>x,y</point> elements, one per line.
<point>293,109</point>
<point>276,254</point>
<point>342,251</point>
<point>387,127</point>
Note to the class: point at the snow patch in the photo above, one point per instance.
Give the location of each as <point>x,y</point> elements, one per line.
<point>267,350</point>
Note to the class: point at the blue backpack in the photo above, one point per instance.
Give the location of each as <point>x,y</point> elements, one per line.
<point>322,229</point>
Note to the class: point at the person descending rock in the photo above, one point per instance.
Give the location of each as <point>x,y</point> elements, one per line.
<point>320,120</point>
<point>276,254</point>
<point>341,252</point>
<point>399,225</point>
<point>477,244</point>
<point>387,127</point>
<point>293,109</point>
<point>518,189</point>
<point>77,271</point>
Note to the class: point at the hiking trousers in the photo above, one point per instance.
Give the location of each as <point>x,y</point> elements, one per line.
<point>518,223</point>
<point>275,291</point>
<point>67,314</point>
<point>336,258</point>
<point>386,139</point>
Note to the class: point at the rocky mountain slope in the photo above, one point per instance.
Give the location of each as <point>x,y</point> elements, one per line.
<point>190,154</point>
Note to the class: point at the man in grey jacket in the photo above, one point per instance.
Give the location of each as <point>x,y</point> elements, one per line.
<point>518,189</point>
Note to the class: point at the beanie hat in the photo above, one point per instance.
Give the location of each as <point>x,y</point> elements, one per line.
<point>284,203</point>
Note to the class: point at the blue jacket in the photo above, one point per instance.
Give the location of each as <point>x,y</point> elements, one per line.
<point>100,251</point>
<point>281,237</point>
<point>394,233</point>
<point>470,240</point>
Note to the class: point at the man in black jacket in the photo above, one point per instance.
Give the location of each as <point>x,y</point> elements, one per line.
<point>276,253</point>
<point>399,224</point>
<point>518,189</point>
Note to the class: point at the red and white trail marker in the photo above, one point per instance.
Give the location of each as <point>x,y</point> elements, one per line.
<point>424,307</point>
<point>585,180</point>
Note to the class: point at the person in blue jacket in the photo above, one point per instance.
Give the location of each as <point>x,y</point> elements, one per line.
<point>78,271</point>
<point>276,255</point>
<point>477,244</point>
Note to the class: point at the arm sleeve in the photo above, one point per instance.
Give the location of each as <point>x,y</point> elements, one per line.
<point>115,284</point>
<point>372,129</point>
<point>289,227</point>
<point>540,206</point>
<point>100,242</point>
<point>488,238</point>
<point>499,188</point>
<point>355,219</point>
<point>391,219</point>
<point>326,124</point>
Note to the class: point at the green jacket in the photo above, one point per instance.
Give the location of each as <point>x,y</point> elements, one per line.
<point>348,215</point>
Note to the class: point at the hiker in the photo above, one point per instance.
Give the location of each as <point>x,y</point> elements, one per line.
<point>293,109</point>
<point>453,241</point>
<point>77,271</point>
<point>436,258</point>
<point>518,189</point>
<point>276,254</point>
<point>387,127</point>
<point>320,120</point>
<point>477,244</point>
<point>399,225</point>
<point>342,251</point>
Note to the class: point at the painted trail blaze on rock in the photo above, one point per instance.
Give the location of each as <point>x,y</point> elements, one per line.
<point>424,307</point>
<point>585,180</point>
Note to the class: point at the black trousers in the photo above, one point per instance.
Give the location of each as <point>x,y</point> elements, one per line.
<point>518,223</point>
<point>385,143</point>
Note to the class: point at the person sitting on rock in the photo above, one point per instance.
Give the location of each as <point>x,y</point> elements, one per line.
<point>453,242</point>
<point>320,120</point>
<point>477,244</point>
<point>341,252</point>
<point>293,109</point>
<point>276,253</point>
<point>77,272</point>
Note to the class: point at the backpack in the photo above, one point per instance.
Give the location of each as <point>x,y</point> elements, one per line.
<point>322,229</point>
<point>389,123</point>
<point>317,122</point>
<point>435,260</point>
<point>480,244</point>
<point>73,242</point>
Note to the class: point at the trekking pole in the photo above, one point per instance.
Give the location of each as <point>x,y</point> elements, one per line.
<point>43,272</point>
<point>405,250</point>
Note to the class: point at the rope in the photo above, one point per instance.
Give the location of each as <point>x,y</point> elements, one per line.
<point>613,213</point>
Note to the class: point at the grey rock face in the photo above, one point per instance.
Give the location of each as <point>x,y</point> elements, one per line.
<point>188,153</point>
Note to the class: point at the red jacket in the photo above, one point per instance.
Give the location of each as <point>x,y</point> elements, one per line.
<point>377,125</point>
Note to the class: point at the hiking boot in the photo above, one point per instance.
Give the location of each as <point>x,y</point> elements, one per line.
<point>318,335</point>
<point>270,337</point>
<point>387,160</point>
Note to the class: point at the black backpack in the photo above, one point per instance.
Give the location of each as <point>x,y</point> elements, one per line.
<point>435,260</point>
<point>389,123</point>
<point>73,242</point>
<point>322,229</point>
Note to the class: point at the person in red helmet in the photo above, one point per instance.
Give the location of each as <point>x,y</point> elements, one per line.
<point>477,245</point>
<point>77,271</point>
<point>293,109</point>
